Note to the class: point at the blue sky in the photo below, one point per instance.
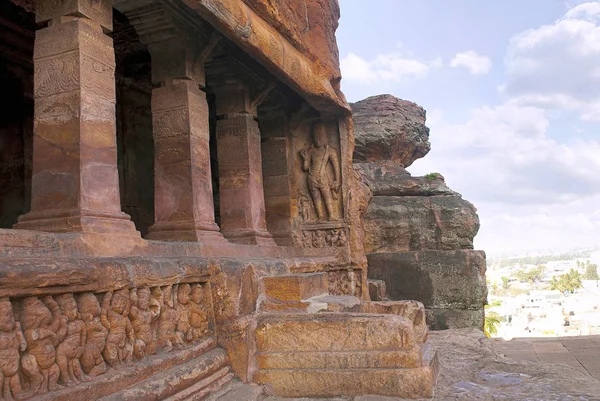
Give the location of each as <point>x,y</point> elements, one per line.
<point>512,93</point>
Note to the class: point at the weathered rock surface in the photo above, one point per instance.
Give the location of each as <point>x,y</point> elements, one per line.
<point>388,128</point>
<point>418,233</point>
<point>413,223</point>
<point>388,178</point>
<point>444,281</point>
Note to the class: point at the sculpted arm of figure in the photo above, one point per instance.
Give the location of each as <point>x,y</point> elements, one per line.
<point>305,154</point>
<point>336,168</point>
<point>59,322</point>
<point>104,309</point>
<point>83,333</point>
<point>20,337</point>
<point>129,330</point>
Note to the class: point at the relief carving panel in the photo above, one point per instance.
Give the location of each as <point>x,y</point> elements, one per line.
<point>54,341</point>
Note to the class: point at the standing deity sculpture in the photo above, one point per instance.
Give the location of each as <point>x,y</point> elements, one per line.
<point>12,341</point>
<point>144,311</point>
<point>96,326</point>
<point>71,348</point>
<point>44,328</point>
<point>316,161</point>
<point>120,339</point>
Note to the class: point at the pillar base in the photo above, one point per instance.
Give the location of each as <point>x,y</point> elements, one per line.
<point>186,232</point>
<point>77,221</point>
<point>250,237</point>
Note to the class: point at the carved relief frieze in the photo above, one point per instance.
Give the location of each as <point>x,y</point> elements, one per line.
<point>345,282</point>
<point>322,238</point>
<point>49,342</point>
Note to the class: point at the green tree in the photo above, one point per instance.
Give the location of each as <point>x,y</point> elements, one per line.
<point>492,321</point>
<point>569,281</point>
<point>505,283</point>
<point>532,275</point>
<point>591,272</point>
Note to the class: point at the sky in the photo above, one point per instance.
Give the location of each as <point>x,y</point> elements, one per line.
<point>512,93</point>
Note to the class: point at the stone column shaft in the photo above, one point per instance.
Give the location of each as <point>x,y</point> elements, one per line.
<point>240,168</point>
<point>184,209</point>
<point>75,184</point>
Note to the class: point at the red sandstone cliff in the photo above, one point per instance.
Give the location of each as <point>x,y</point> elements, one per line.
<point>418,232</point>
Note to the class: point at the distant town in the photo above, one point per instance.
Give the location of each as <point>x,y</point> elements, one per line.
<point>544,295</point>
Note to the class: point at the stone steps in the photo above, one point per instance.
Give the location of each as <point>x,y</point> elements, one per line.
<point>193,380</point>
<point>309,343</point>
<point>150,368</point>
<point>341,354</point>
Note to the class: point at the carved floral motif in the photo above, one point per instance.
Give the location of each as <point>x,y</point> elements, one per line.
<point>345,282</point>
<point>54,341</point>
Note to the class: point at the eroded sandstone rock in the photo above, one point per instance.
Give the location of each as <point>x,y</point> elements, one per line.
<point>389,178</point>
<point>445,281</point>
<point>418,233</point>
<point>388,128</point>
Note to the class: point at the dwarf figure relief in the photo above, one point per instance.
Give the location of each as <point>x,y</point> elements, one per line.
<point>96,326</point>
<point>11,342</point>
<point>198,317</point>
<point>182,306</point>
<point>119,343</point>
<point>71,348</point>
<point>316,161</point>
<point>44,328</point>
<point>144,311</point>
<point>167,322</point>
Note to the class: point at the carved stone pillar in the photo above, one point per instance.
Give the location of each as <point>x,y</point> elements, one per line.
<point>75,184</point>
<point>240,164</point>
<point>184,209</point>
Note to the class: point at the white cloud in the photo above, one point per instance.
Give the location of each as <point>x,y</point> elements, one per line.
<point>556,66</point>
<point>475,63</point>
<point>391,67</point>
<point>530,190</point>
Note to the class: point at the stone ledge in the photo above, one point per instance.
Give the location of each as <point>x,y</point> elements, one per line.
<point>116,380</point>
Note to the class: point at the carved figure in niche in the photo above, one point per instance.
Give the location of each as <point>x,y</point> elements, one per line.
<point>96,326</point>
<point>167,322</point>
<point>120,339</point>
<point>11,342</point>
<point>316,160</point>
<point>198,317</point>
<point>307,239</point>
<point>319,239</point>
<point>332,237</point>
<point>304,207</point>
<point>342,239</point>
<point>44,328</point>
<point>144,311</point>
<point>71,348</point>
<point>182,306</point>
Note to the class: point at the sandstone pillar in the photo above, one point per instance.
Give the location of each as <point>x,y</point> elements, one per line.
<point>75,184</point>
<point>184,209</point>
<point>240,165</point>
